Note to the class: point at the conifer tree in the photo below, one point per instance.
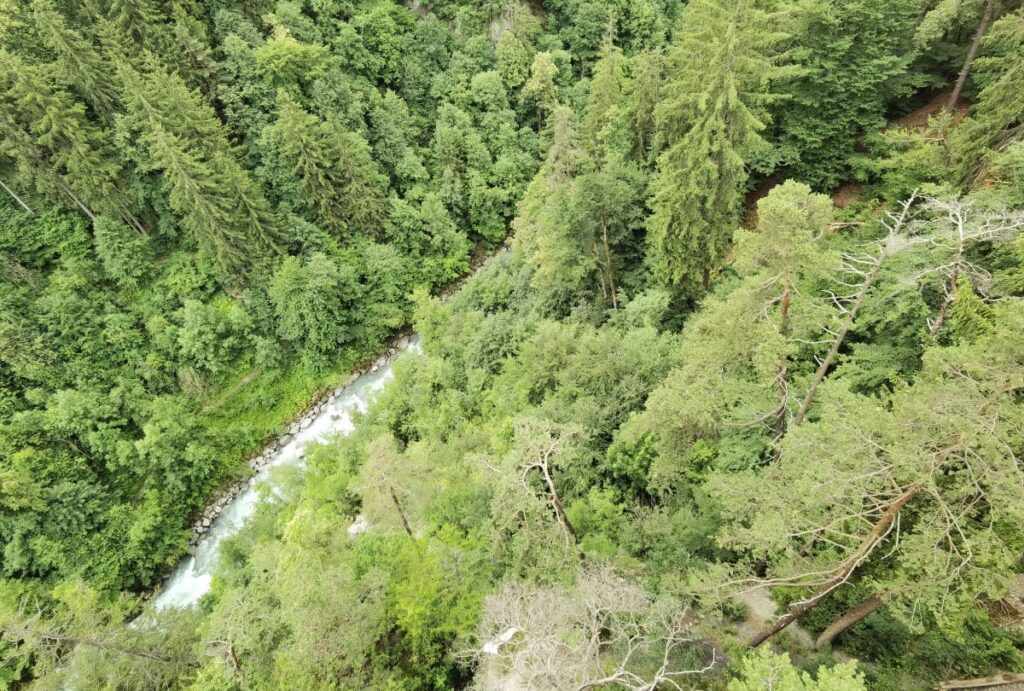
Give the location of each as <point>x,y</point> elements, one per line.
<point>139,20</point>
<point>79,64</point>
<point>925,485</point>
<point>154,94</point>
<point>857,57</point>
<point>55,145</point>
<point>733,387</point>
<point>996,116</point>
<point>645,93</point>
<point>540,92</point>
<point>712,111</point>
<point>970,317</point>
<point>945,14</point>
<point>544,230</point>
<point>220,208</point>
<point>607,87</point>
<point>339,179</point>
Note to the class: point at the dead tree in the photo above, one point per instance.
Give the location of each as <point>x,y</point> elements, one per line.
<point>592,634</point>
<point>849,618</point>
<point>841,573</point>
<point>540,445</point>
<point>960,226</point>
<point>16,198</point>
<point>863,269</point>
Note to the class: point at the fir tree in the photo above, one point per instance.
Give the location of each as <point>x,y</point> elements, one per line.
<point>79,64</point>
<point>219,205</point>
<point>55,144</point>
<point>996,117</point>
<point>607,87</point>
<point>139,20</point>
<point>340,181</point>
<point>709,120</point>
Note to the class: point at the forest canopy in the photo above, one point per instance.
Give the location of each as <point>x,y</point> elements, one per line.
<point>732,398</point>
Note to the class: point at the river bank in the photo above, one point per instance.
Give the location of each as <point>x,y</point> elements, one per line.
<point>273,452</point>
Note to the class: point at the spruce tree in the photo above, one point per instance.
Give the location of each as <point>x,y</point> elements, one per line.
<point>856,57</point>
<point>544,232</point>
<point>139,20</point>
<point>721,64</point>
<point>155,94</point>
<point>79,64</point>
<point>340,181</point>
<point>219,206</point>
<point>644,94</point>
<point>55,145</point>
<point>996,116</point>
<point>607,87</point>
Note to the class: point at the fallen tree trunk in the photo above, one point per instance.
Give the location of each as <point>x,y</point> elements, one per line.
<point>848,619</point>
<point>972,53</point>
<point>842,572</point>
<point>981,683</point>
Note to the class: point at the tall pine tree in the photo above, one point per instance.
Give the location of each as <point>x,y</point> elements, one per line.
<point>79,64</point>
<point>55,146</point>
<point>340,182</point>
<point>219,205</point>
<point>721,65</point>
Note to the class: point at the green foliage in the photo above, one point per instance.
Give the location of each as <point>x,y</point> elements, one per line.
<point>339,181</point>
<point>854,60</point>
<point>995,120</point>
<point>212,210</point>
<point>309,299</point>
<point>721,65</point>
<point>125,254</point>
<point>766,670</point>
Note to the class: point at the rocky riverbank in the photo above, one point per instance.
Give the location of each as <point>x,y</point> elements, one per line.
<point>260,460</point>
<point>316,406</point>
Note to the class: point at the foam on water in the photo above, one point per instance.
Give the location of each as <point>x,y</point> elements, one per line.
<point>191,579</point>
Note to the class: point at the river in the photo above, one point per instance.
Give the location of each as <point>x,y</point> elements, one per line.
<point>192,577</point>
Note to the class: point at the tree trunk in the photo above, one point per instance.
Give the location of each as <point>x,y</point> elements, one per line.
<point>848,619</point>
<point>16,198</point>
<point>58,637</point>
<point>557,504</point>
<point>85,209</point>
<point>779,428</point>
<point>841,573</point>
<point>972,53</point>
<point>837,343</point>
<point>1003,679</point>
<point>401,512</point>
<point>134,221</point>
<point>950,297</point>
<point>611,271</point>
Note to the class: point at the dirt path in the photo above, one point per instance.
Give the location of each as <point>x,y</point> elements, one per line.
<point>761,611</point>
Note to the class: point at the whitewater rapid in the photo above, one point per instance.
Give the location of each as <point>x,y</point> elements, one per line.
<point>193,575</point>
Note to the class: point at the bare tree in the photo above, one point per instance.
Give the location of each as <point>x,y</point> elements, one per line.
<point>958,226</point>
<point>948,228</point>
<point>569,637</point>
<point>540,445</point>
<point>861,274</point>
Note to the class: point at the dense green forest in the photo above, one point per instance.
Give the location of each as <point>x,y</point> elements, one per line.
<point>757,338</point>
